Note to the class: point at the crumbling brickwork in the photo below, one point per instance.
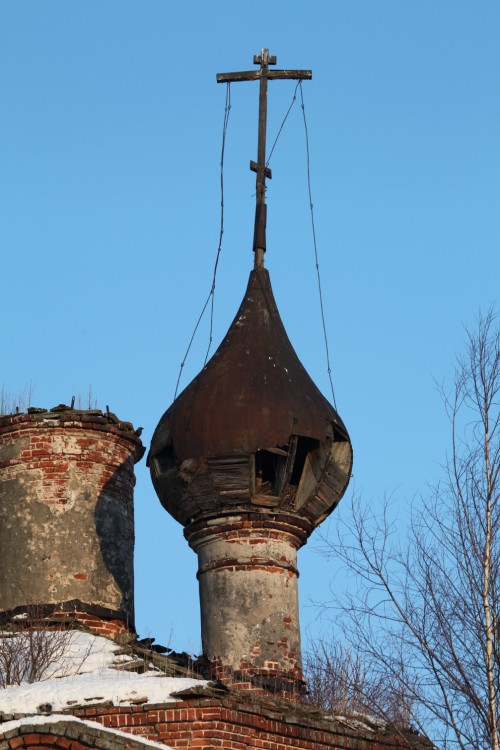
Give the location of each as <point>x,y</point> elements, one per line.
<point>66,511</point>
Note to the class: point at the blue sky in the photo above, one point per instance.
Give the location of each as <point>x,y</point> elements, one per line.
<point>110,131</point>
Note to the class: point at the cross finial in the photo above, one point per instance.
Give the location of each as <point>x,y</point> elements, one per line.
<point>263,74</point>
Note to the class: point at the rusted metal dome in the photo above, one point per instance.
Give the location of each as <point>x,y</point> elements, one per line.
<point>252,428</point>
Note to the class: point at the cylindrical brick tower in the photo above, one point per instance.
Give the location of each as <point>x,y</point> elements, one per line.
<point>250,458</point>
<point>66,515</point>
<point>249,600</point>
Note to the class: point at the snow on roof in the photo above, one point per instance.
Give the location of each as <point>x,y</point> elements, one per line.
<point>74,652</point>
<point>358,720</point>
<point>33,721</point>
<point>121,689</point>
<point>87,673</point>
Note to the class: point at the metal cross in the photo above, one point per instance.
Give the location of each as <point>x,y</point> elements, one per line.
<point>263,74</point>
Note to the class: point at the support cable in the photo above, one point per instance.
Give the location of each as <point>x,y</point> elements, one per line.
<point>283,123</point>
<point>211,295</point>
<point>329,369</point>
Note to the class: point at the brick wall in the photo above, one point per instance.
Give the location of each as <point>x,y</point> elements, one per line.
<point>238,722</point>
<point>112,628</point>
<point>207,724</point>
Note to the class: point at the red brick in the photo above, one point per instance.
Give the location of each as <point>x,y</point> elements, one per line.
<point>16,742</point>
<point>63,742</point>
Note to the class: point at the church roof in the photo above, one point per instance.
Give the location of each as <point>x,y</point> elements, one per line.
<point>253,394</point>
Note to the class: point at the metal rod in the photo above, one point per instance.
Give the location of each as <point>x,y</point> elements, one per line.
<point>259,240</point>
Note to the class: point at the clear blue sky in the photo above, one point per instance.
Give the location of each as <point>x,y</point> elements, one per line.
<point>110,130</point>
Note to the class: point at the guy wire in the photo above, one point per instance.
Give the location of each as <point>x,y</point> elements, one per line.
<point>211,294</point>
<point>282,124</point>
<point>329,369</point>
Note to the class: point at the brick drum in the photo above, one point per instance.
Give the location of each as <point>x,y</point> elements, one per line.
<point>66,513</point>
<point>248,574</point>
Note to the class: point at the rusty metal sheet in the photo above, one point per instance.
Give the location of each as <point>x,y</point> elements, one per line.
<point>252,394</point>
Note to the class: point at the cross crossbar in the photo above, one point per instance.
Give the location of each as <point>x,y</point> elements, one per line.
<point>255,75</point>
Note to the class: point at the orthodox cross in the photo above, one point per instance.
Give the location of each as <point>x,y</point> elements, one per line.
<point>263,74</point>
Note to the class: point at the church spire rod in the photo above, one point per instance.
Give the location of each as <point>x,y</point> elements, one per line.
<point>263,75</point>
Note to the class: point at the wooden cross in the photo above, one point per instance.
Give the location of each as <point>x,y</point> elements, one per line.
<point>263,74</point>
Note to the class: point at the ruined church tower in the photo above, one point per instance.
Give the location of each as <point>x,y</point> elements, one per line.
<point>250,458</point>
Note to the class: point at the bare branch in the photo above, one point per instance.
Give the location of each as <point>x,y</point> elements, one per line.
<point>428,609</point>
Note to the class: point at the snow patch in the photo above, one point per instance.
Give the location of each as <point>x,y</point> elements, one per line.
<point>84,676</point>
<point>361,721</point>
<point>107,685</point>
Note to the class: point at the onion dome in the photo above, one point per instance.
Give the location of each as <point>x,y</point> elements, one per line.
<point>251,431</point>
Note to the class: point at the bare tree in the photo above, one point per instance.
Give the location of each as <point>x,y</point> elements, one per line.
<point>12,403</point>
<point>30,650</point>
<point>346,682</point>
<point>426,612</point>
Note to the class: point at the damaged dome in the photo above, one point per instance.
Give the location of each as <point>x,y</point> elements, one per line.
<point>251,429</point>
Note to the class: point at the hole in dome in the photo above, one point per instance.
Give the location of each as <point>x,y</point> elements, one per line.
<point>278,467</point>
<point>164,461</point>
<point>304,446</point>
